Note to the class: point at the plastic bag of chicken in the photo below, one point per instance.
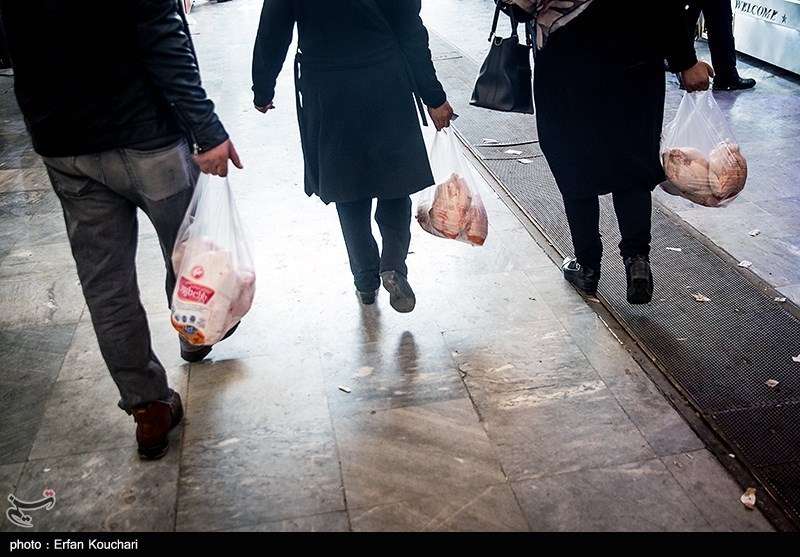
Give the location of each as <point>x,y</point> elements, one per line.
<point>701,158</point>
<point>215,276</point>
<point>452,207</point>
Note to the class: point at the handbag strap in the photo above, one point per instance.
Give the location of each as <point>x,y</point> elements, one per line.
<point>514,24</point>
<point>377,13</point>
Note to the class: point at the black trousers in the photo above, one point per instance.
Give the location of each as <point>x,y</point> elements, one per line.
<point>633,208</point>
<point>718,17</point>
<point>393,217</point>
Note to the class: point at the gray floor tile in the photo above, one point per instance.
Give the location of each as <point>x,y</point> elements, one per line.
<point>46,300</point>
<point>104,491</point>
<point>403,454</point>
<point>408,369</point>
<point>665,430</point>
<point>464,306</point>
<point>20,417</point>
<point>259,476</point>
<point>551,430</point>
<point>9,478</point>
<point>82,416</point>
<point>34,353</point>
<point>227,398</point>
<point>14,179</point>
<point>717,496</point>
<point>326,522</point>
<point>633,497</point>
<point>29,364</point>
<point>500,360</point>
<point>486,509</point>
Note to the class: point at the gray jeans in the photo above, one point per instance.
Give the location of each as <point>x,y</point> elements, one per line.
<point>100,195</point>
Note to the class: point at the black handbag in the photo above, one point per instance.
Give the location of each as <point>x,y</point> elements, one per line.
<point>505,79</point>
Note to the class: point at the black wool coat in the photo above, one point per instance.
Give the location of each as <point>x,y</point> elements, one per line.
<point>599,89</point>
<point>355,74</point>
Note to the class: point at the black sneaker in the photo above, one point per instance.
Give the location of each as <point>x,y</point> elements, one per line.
<point>401,297</point>
<point>640,279</point>
<point>734,84</point>
<point>367,298</point>
<point>194,353</point>
<point>583,278</point>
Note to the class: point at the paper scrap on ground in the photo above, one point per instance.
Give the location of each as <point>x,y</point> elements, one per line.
<point>525,161</point>
<point>512,152</point>
<point>489,140</point>
<point>796,358</point>
<point>344,389</point>
<point>745,264</point>
<point>771,383</point>
<point>755,232</point>
<point>674,249</point>
<point>700,298</point>
<point>780,299</point>
<point>749,497</point>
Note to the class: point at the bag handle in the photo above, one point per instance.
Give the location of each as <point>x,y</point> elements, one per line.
<point>514,24</point>
<point>378,14</point>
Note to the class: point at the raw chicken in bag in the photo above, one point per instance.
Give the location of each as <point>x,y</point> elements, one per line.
<point>213,266</point>
<point>452,207</point>
<point>701,158</point>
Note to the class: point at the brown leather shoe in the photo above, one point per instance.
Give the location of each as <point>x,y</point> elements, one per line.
<point>153,422</point>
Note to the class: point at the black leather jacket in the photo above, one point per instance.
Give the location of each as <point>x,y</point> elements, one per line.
<point>93,75</point>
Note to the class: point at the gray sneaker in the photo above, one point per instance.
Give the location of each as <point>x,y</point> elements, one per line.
<point>401,297</point>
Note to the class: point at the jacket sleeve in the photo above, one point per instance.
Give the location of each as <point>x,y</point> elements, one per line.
<point>413,38</point>
<point>679,43</point>
<point>275,31</point>
<point>168,55</point>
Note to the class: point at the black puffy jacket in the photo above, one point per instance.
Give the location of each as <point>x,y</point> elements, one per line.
<point>93,75</point>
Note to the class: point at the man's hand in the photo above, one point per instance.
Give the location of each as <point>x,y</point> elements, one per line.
<point>215,161</point>
<point>697,77</point>
<point>441,116</point>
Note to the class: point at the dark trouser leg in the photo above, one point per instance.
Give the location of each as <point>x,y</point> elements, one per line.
<point>718,18</point>
<point>583,217</point>
<point>633,208</point>
<point>102,228</point>
<point>100,196</point>
<point>355,218</point>
<point>394,221</point>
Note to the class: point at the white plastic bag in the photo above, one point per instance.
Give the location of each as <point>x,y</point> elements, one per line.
<point>214,269</point>
<point>701,158</point>
<point>452,207</point>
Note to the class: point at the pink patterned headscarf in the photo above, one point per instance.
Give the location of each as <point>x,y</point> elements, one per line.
<point>550,15</point>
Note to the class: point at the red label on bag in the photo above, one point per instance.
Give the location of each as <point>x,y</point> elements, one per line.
<point>193,292</point>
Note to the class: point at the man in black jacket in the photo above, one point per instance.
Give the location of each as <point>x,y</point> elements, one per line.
<point>112,99</point>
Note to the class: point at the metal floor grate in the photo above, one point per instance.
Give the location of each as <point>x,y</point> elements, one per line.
<point>719,354</point>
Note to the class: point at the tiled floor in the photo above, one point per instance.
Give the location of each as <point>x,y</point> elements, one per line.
<point>503,402</point>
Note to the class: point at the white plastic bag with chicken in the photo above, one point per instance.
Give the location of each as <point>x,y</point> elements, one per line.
<point>452,207</point>
<point>215,277</point>
<point>701,158</point>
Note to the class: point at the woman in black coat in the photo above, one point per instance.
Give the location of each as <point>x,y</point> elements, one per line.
<point>362,70</point>
<point>599,88</point>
